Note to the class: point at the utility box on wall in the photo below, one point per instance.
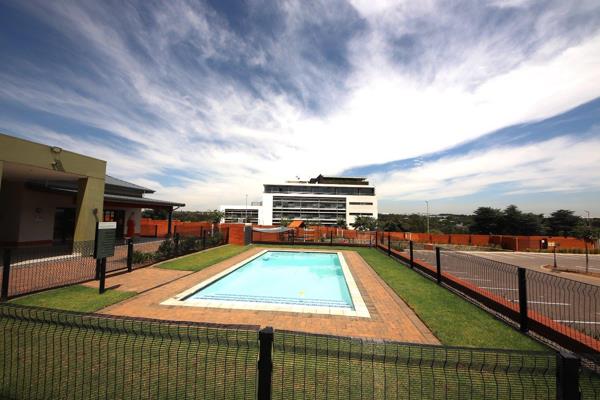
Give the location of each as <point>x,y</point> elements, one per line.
<point>247,234</point>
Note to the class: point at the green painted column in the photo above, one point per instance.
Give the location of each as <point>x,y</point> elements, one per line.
<point>90,201</point>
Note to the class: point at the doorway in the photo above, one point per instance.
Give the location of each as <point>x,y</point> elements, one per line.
<point>64,225</point>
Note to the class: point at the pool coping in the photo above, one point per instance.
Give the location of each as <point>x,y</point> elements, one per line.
<point>360,308</point>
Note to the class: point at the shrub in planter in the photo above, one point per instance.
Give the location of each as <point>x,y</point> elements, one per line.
<point>140,257</point>
<point>214,239</point>
<point>189,244</point>
<point>166,249</point>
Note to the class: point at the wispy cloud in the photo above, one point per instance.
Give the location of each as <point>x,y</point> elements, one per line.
<point>207,102</point>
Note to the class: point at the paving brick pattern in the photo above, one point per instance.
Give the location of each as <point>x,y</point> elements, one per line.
<point>390,317</point>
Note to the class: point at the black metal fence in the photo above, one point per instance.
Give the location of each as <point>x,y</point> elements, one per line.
<point>328,367</point>
<point>55,354</point>
<point>562,310</point>
<point>32,269</point>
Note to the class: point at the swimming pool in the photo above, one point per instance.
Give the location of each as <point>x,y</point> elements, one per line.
<point>297,281</point>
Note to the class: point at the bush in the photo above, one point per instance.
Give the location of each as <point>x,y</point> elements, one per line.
<point>140,257</point>
<point>166,249</point>
<point>189,244</point>
<point>214,239</point>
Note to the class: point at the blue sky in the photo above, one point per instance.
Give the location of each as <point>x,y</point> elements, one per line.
<point>461,103</point>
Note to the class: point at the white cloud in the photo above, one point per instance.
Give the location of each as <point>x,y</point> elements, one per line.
<point>228,137</point>
<point>560,164</point>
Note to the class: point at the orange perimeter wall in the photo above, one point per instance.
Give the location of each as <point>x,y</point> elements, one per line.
<point>236,235</point>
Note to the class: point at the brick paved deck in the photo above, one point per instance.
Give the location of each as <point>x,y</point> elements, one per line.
<point>390,318</point>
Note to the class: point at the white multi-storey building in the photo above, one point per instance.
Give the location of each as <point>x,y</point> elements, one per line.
<point>320,201</point>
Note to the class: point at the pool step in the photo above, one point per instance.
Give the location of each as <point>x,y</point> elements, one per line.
<point>275,300</point>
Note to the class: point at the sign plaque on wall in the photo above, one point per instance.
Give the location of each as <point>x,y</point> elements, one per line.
<point>106,236</point>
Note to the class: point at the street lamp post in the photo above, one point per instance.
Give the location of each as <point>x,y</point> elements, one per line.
<point>585,240</point>
<point>246,209</point>
<point>588,218</point>
<point>427,202</point>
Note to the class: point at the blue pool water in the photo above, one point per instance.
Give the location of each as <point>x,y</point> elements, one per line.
<point>282,277</point>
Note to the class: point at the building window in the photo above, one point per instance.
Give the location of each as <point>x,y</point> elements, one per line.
<point>320,189</point>
<point>357,214</point>
<point>233,215</point>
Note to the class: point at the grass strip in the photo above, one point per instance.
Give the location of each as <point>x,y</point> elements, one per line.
<point>74,298</point>
<point>203,259</point>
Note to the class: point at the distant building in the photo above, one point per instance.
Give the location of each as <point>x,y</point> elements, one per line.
<point>236,213</point>
<point>320,201</point>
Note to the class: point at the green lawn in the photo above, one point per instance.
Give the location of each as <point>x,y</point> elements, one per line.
<point>454,321</point>
<point>203,259</point>
<point>74,298</point>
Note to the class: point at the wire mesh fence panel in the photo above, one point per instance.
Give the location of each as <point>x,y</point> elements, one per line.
<point>52,354</point>
<point>324,367</point>
<point>491,276</point>
<point>570,306</point>
<point>144,252</point>
<point>119,260</point>
<point>39,268</point>
<point>589,376</point>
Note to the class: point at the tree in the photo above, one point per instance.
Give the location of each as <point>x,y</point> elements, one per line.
<point>341,223</point>
<point>531,224</point>
<point>589,234</point>
<point>364,223</point>
<point>416,223</point>
<point>159,213</point>
<point>192,216</point>
<point>511,220</point>
<point>284,221</point>
<point>562,223</point>
<point>486,220</point>
<point>391,222</point>
<point>516,222</point>
<point>215,216</point>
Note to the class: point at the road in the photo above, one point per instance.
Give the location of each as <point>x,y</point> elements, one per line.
<point>574,303</point>
<point>535,261</point>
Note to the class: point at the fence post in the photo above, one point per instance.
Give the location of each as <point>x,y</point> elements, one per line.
<point>331,238</point>
<point>567,376</point>
<point>155,231</point>
<point>265,363</point>
<point>102,275</point>
<point>438,263</point>
<point>370,239</point>
<point>412,254</point>
<point>129,255</point>
<point>203,240</point>
<point>523,317</point>
<point>176,242</point>
<point>5,274</point>
<point>98,267</point>
<point>389,245</point>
